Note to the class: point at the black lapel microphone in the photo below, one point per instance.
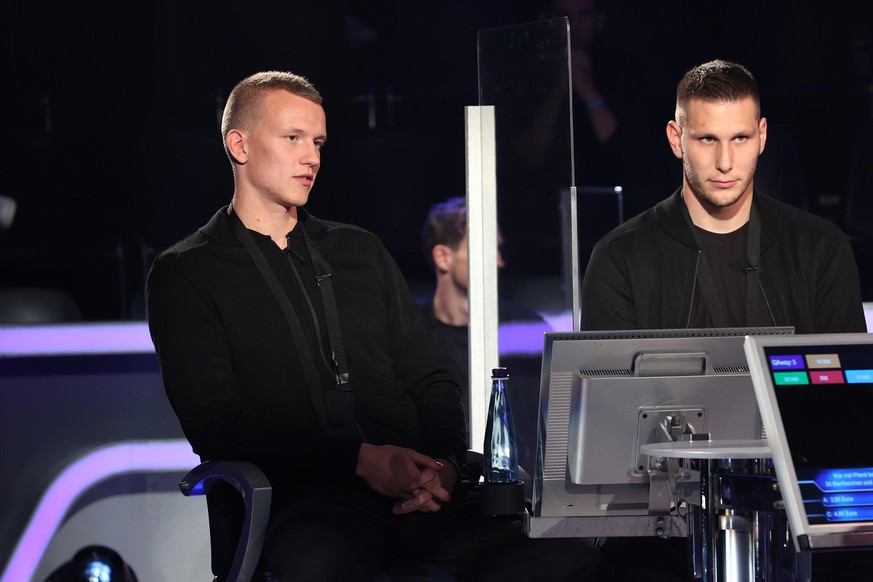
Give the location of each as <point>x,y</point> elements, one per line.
<point>753,266</point>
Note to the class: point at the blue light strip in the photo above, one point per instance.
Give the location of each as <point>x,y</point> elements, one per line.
<point>521,339</point>
<point>96,338</point>
<point>109,461</point>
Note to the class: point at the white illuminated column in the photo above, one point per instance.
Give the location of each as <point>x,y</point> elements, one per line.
<point>482,253</point>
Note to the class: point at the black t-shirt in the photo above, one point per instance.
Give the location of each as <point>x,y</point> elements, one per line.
<point>726,255</point>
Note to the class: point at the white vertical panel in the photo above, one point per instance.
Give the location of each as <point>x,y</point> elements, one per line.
<point>482,252</point>
<point>575,275</point>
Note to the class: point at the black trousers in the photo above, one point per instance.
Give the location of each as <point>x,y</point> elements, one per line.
<point>336,532</point>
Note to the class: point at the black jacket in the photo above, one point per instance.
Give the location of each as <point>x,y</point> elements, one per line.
<point>234,379</point>
<point>642,275</point>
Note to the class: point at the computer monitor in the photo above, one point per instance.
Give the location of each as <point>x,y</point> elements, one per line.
<point>815,393</point>
<point>604,394</point>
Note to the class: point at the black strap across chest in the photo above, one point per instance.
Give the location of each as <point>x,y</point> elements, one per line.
<point>335,406</point>
<point>325,285</point>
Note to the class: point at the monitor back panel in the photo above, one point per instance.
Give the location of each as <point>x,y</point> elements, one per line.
<point>583,471</point>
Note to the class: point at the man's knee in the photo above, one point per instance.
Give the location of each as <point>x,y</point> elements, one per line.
<point>322,550</point>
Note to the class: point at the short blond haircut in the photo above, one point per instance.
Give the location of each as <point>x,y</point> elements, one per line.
<point>243,107</point>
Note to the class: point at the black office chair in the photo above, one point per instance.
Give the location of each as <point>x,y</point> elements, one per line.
<point>35,305</point>
<point>238,497</point>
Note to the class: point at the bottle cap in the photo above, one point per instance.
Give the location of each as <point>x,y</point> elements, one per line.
<point>500,373</point>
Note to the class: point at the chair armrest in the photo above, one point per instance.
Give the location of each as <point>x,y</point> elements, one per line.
<point>256,492</point>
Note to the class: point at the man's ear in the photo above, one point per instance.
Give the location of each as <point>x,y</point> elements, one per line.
<point>674,136</point>
<point>762,130</point>
<point>236,145</point>
<point>442,257</point>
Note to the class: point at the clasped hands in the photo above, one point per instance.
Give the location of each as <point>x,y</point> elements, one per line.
<point>417,481</point>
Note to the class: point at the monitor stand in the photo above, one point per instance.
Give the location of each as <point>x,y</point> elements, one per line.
<point>736,522</point>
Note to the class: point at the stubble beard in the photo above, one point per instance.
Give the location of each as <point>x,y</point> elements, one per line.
<point>709,197</point>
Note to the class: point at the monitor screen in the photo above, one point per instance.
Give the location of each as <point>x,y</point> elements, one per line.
<point>604,394</point>
<point>815,393</point>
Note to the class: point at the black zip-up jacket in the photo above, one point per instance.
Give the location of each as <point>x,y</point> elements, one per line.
<point>233,377</point>
<point>642,275</point>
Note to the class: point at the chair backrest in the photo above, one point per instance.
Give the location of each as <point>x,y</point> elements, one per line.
<point>25,305</point>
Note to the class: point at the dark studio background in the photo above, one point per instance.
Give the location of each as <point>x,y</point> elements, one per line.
<point>110,112</point>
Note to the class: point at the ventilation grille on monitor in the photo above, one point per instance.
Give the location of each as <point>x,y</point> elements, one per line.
<point>616,372</point>
<point>677,333</point>
<point>730,369</point>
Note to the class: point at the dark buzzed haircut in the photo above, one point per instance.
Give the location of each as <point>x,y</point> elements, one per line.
<point>446,224</point>
<point>715,81</point>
